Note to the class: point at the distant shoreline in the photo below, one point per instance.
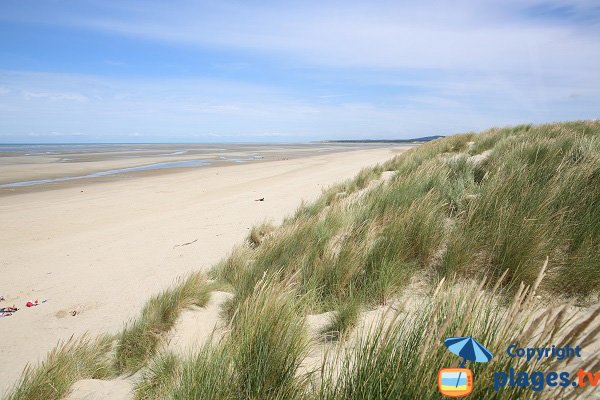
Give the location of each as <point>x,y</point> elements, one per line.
<point>400,141</point>
<point>26,168</point>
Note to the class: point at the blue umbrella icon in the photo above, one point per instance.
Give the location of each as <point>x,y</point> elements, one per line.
<point>469,349</point>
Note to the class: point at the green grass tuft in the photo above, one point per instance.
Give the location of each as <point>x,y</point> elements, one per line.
<point>158,378</point>
<point>67,363</point>
<point>342,321</point>
<point>139,341</point>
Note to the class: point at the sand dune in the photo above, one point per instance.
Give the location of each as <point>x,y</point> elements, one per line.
<point>102,249</point>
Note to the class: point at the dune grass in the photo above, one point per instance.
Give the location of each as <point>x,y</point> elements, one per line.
<point>258,359</point>
<point>396,358</point>
<point>540,196</point>
<point>400,359</point>
<point>341,322</point>
<point>108,356</point>
<point>159,377</point>
<point>139,341</point>
<point>268,341</point>
<point>463,208</point>
<point>465,205</point>
<point>76,359</point>
<point>258,233</point>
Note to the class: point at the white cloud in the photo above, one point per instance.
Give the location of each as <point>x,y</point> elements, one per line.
<point>386,68</point>
<point>175,109</point>
<point>54,96</point>
<point>464,34</point>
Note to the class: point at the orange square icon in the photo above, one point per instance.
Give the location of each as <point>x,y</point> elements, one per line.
<point>455,382</point>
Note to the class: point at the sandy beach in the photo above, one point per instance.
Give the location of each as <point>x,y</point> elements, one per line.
<point>102,248</point>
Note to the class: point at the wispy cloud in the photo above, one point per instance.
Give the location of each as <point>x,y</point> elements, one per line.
<point>325,69</point>
<point>54,96</point>
<point>470,35</point>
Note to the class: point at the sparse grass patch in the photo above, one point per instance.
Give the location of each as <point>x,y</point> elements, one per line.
<point>139,340</point>
<point>159,378</point>
<point>69,362</point>
<point>258,233</point>
<point>342,321</point>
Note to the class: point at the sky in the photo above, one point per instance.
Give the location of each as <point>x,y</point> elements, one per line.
<point>277,71</point>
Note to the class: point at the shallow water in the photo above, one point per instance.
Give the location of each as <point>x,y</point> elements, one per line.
<point>149,167</point>
<point>32,156</point>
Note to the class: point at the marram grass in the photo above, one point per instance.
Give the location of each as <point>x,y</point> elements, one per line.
<point>78,358</point>
<point>466,205</point>
<point>457,209</point>
<point>140,339</point>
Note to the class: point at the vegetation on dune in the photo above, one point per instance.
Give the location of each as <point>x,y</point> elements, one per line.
<point>395,358</point>
<point>392,359</point>
<point>139,341</point>
<point>341,322</point>
<point>159,377</point>
<point>109,356</point>
<point>258,359</point>
<point>258,233</point>
<point>69,362</point>
<point>467,207</point>
<point>467,204</point>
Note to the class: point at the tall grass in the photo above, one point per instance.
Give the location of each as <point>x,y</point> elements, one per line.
<point>258,233</point>
<point>268,342</point>
<point>400,360</point>
<point>73,360</point>
<point>159,377</point>
<point>258,359</point>
<point>139,341</point>
<point>341,322</point>
<point>462,208</point>
<point>540,196</point>
<point>208,374</point>
<point>467,204</point>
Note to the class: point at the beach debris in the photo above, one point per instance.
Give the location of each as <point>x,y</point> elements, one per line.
<point>34,303</point>
<point>2,298</point>
<point>8,311</point>
<point>74,313</point>
<point>185,244</point>
<point>261,199</point>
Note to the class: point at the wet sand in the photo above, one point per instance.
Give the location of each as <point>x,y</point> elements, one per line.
<point>23,168</point>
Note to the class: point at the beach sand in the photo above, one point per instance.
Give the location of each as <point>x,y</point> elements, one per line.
<point>103,248</point>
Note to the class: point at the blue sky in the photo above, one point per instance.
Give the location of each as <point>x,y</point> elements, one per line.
<point>275,71</point>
